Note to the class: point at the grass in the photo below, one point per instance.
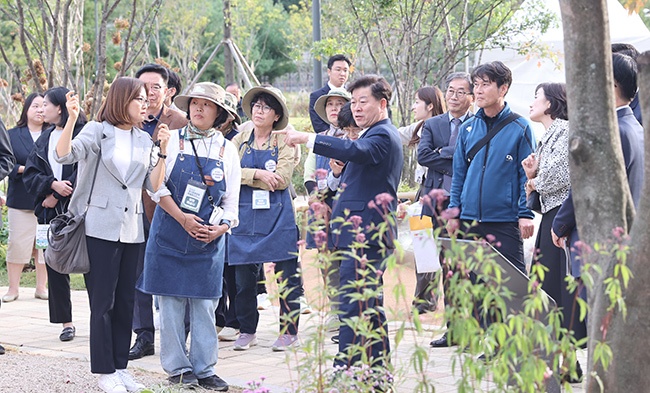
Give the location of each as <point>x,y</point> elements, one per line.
<point>28,278</point>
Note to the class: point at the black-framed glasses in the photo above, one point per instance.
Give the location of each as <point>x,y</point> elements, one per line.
<point>257,107</point>
<point>458,93</point>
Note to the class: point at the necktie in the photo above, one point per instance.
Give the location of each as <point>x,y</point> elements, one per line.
<point>455,125</point>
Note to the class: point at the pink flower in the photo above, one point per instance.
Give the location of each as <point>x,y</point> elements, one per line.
<point>450,274</point>
<point>301,243</point>
<point>371,205</point>
<point>583,247</point>
<point>356,221</point>
<point>319,208</point>
<point>321,174</point>
<point>320,238</point>
<point>363,262</point>
<point>618,232</point>
<point>360,238</point>
<point>380,273</point>
<point>450,213</point>
<point>384,199</point>
<point>490,238</point>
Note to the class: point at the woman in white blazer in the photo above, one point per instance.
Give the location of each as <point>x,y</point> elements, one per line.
<point>114,230</point>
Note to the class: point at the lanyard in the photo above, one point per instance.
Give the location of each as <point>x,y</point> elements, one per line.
<point>198,164</point>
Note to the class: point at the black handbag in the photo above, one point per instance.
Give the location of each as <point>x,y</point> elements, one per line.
<point>533,202</point>
<point>67,251</point>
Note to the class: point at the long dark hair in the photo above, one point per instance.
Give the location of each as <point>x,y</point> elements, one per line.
<point>431,95</point>
<point>56,96</point>
<point>22,121</point>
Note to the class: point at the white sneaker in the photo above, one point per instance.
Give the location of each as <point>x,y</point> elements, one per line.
<point>263,302</point>
<point>228,334</point>
<point>112,383</point>
<point>305,308</point>
<point>129,382</point>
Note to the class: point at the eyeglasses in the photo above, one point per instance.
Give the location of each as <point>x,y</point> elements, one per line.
<point>155,87</point>
<point>458,93</point>
<point>143,101</point>
<point>261,108</point>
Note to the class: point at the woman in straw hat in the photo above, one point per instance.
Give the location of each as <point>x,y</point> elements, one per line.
<point>268,231</point>
<point>184,257</point>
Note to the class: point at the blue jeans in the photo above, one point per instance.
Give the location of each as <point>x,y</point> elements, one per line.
<point>351,309</point>
<point>204,345</point>
<point>246,277</point>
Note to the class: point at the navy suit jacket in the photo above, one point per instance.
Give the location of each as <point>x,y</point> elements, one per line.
<point>22,145</point>
<point>373,166</point>
<point>319,125</point>
<point>436,132</point>
<point>636,108</point>
<point>631,133</point>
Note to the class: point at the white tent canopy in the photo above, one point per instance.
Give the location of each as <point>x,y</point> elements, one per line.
<point>529,72</point>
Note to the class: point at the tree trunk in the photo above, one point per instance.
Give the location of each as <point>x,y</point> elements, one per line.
<point>628,340</point>
<point>228,65</point>
<point>598,180</point>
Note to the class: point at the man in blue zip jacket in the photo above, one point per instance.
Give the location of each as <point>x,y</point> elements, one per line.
<point>490,189</point>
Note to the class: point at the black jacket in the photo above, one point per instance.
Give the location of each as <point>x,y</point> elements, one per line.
<point>38,178</point>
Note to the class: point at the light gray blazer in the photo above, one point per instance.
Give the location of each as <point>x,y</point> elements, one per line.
<point>115,209</point>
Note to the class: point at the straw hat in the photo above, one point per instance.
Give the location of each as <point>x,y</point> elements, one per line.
<point>206,90</point>
<point>230,103</point>
<point>275,93</point>
<point>321,102</point>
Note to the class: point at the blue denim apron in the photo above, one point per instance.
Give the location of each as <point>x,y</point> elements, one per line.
<point>263,235</point>
<point>322,162</point>
<point>175,263</point>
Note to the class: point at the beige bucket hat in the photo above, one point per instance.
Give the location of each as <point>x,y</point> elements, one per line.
<point>230,103</point>
<point>277,94</point>
<point>321,102</point>
<point>206,90</point>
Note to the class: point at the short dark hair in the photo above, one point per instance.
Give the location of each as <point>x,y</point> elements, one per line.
<point>221,117</point>
<point>460,75</point>
<point>174,81</point>
<point>625,49</point>
<point>22,121</point>
<point>56,96</point>
<point>115,109</point>
<point>495,71</point>
<point>379,87</point>
<point>271,101</point>
<point>346,118</point>
<point>338,57</point>
<point>555,93</point>
<point>152,67</point>
<point>625,71</point>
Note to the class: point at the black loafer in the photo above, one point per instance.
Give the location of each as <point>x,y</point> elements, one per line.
<point>67,334</point>
<point>335,339</point>
<point>2,350</point>
<point>141,349</point>
<point>213,382</point>
<point>442,342</point>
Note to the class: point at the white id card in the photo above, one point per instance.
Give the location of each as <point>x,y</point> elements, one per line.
<point>322,184</point>
<point>193,196</point>
<point>41,236</point>
<point>261,199</point>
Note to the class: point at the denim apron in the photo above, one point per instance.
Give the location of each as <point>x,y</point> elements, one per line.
<point>176,264</point>
<point>263,235</point>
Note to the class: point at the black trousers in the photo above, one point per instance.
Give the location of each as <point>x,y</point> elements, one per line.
<point>111,287</point>
<point>59,303</point>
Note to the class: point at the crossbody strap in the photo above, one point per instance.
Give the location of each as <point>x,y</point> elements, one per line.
<point>488,137</point>
<point>198,164</point>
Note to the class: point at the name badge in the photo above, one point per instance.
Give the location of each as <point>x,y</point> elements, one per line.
<point>217,174</point>
<point>270,165</point>
<point>194,193</point>
<point>322,184</point>
<point>261,199</point>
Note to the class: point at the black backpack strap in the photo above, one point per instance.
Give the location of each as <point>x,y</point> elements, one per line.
<point>488,137</point>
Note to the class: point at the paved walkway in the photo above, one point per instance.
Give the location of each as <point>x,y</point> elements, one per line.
<point>24,326</point>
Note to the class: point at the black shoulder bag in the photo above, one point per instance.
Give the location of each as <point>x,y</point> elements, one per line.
<point>491,134</point>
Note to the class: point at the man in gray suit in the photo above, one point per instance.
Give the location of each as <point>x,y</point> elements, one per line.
<point>435,152</point>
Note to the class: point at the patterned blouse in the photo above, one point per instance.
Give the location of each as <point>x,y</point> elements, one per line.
<point>552,181</point>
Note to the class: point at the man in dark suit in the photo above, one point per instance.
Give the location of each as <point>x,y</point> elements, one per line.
<point>156,77</point>
<point>625,85</point>
<point>371,176</point>
<point>338,71</point>
<point>435,152</point>
<point>630,50</point>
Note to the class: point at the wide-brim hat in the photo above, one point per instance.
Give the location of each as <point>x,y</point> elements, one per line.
<point>277,94</point>
<point>230,102</point>
<point>206,90</point>
<point>321,102</point>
